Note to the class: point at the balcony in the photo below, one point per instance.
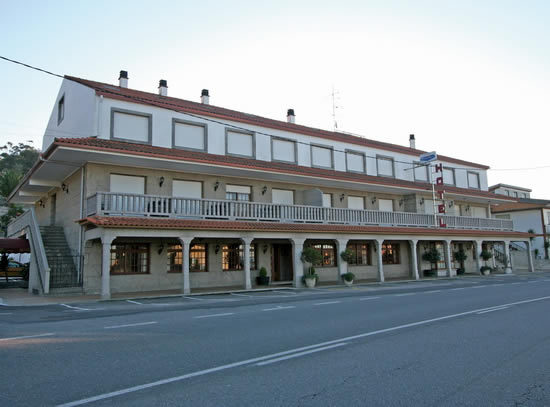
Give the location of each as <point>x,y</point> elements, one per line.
<point>136,205</point>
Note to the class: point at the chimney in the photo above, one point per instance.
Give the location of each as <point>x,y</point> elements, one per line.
<point>123,79</point>
<point>412,141</point>
<point>163,87</point>
<point>205,97</point>
<point>290,116</point>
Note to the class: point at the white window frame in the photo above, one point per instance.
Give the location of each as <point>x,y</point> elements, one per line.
<point>329,198</point>
<point>286,190</point>
<point>388,158</point>
<point>130,176</point>
<point>477,175</point>
<point>175,122</point>
<point>356,196</point>
<point>187,180</point>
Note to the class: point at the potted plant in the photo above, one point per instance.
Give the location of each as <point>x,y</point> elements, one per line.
<point>485,270</point>
<point>485,255</point>
<point>262,278</point>
<point>347,255</point>
<point>461,257</point>
<point>546,246</point>
<point>348,278</point>
<point>311,256</point>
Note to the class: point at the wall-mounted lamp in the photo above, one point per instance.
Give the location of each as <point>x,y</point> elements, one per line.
<point>264,248</point>
<point>216,186</point>
<point>217,249</point>
<point>373,200</point>
<point>161,181</point>
<point>421,202</point>
<point>41,203</point>
<point>264,190</point>
<point>467,209</point>
<point>65,188</point>
<point>342,196</point>
<point>401,202</point>
<point>451,204</point>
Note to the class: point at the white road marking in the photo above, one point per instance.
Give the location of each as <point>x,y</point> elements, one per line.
<point>295,355</point>
<point>215,315</point>
<point>530,282</point>
<point>404,295</point>
<point>516,283</point>
<point>134,302</point>
<point>196,299</point>
<point>492,309</point>
<point>76,308</point>
<point>368,298</point>
<point>25,337</point>
<point>6,313</point>
<point>480,286</point>
<point>278,308</point>
<point>432,291</point>
<point>459,288</point>
<point>129,325</point>
<point>327,303</point>
<point>274,355</point>
<point>241,295</point>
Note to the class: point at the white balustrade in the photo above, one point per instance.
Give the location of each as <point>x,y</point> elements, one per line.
<point>118,204</point>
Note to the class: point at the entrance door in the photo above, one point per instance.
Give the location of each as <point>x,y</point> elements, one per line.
<point>53,209</point>
<point>282,263</point>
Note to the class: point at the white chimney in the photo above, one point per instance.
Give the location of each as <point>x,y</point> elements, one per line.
<point>290,116</point>
<point>412,141</point>
<point>123,79</point>
<point>205,97</point>
<point>163,87</point>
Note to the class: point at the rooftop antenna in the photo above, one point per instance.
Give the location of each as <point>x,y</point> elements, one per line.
<point>335,94</point>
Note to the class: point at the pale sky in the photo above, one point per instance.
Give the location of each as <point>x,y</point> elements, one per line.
<point>468,78</point>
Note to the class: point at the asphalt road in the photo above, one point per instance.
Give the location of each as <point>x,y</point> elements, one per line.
<point>467,341</point>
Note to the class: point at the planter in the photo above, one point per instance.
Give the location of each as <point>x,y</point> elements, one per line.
<point>348,283</point>
<point>310,282</point>
<point>486,272</point>
<point>262,280</point>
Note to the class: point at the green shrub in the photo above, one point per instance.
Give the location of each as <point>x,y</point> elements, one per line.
<point>460,256</point>
<point>347,255</point>
<point>432,255</point>
<point>486,255</point>
<point>349,276</point>
<point>263,272</point>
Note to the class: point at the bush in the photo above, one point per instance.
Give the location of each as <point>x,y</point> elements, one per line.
<point>311,273</point>
<point>312,256</point>
<point>347,255</point>
<point>349,276</point>
<point>460,256</point>
<point>432,255</point>
<point>263,272</point>
<point>486,255</point>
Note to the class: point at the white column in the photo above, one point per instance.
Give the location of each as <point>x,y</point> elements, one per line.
<point>478,244</point>
<point>378,246</point>
<point>342,265</point>
<point>106,241</point>
<point>298,265</point>
<point>507,266</point>
<point>246,254</point>
<point>530,257</point>
<point>414,258</point>
<point>185,280</point>
<point>448,259</point>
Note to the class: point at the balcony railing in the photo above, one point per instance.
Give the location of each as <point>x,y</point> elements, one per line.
<point>136,205</point>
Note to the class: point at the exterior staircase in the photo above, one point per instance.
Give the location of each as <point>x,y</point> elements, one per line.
<point>62,262</point>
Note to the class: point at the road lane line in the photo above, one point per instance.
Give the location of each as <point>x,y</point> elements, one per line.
<point>296,355</point>
<point>274,355</point>
<point>130,325</point>
<point>432,291</point>
<point>368,298</point>
<point>196,299</point>
<point>327,303</point>
<point>480,286</point>
<point>134,302</point>
<point>242,295</point>
<point>404,295</point>
<point>6,313</point>
<point>459,288</point>
<point>491,310</point>
<point>278,308</point>
<point>26,337</point>
<point>215,315</point>
<point>75,308</point>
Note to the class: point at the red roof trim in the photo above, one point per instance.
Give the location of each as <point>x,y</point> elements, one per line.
<point>118,93</point>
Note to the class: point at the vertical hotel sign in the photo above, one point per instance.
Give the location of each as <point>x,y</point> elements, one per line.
<point>426,159</point>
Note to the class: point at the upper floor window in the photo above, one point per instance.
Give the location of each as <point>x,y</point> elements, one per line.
<point>448,176</point>
<point>327,200</point>
<point>239,143</point>
<point>237,193</point>
<point>131,126</point>
<point>282,196</point>
<point>189,135</point>
<point>473,180</point>
<point>321,156</point>
<point>384,166</point>
<point>515,194</point>
<point>187,189</point>
<point>355,161</point>
<point>356,202</point>
<point>60,110</point>
<point>283,150</point>
<point>127,184</point>
<point>421,172</point>
<point>385,205</point>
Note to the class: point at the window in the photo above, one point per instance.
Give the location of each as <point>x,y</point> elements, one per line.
<point>282,196</point>
<point>385,205</point>
<point>237,193</point>
<point>283,150</point>
<point>239,143</point>
<point>360,254</point>
<point>127,184</point>
<point>479,212</point>
<point>473,180</point>
<point>189,135</point>
<point>390,253</point>
<point>421,172</point>
<point>355,161</point>
<point>327,200</point>
<point>384,166</point>
<point>515,194</point>
<point>198,258</point>
<point>524,195</point>
<point>187,189</point>
<point>321,156</point>
<point>507,192</point>
<point>60,110</point>
<point>130,258</point>
<point>328,253</point>
<point>356,202</point>
<point>448,176</point>
<point>131,126</point>
<point>232,255</point>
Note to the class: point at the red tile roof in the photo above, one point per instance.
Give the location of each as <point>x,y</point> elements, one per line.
<point>192,224</point>
<point>185,106</point>
<point>97,144</point>
<point>517,206</point>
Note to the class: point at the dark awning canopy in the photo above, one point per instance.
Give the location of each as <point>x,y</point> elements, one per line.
<point>18,245</point>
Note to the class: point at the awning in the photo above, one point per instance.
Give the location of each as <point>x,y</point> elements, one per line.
<point>17,245</point>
